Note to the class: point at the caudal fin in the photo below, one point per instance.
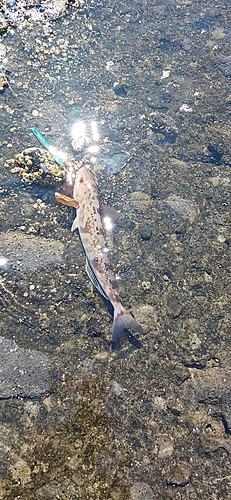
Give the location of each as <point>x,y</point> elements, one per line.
<point>123,319</point>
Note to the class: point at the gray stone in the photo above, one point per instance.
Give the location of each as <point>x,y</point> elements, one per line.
<point>141,491</point>
<point>179,474</point>
<point>224,64</point>
<point>173,307</point>
<point>212,386</point>
<point>29,253</point>
<point>145,230</point>
<point>114,162</point>
<point>186,209</point>
<point>23,372</point>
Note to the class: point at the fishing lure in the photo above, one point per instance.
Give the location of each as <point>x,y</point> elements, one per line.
<point>46,145</point>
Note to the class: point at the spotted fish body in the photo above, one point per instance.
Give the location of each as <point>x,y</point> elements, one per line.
<point>89,224</point>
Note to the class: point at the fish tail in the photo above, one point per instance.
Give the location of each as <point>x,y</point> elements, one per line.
<point>123,319</point>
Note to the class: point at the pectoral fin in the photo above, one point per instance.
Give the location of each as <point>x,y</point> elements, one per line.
<point>66,200</point>
<point>75,224</point>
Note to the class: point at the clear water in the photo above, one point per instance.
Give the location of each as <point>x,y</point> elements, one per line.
<point>149,418</point>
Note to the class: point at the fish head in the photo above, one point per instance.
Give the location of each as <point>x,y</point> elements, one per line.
<point>84,185</point>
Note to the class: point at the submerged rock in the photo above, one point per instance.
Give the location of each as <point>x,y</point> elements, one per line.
<point>165,125</point>
<point>25,253</point>
<point>173,307</point>
<point>178,474</point>
<point>141,491</point>
<point>23,372</point>
<point>212,387</point>
<point>34,165</point>
<point>224,64</point>
<point>114,162</point>
<point>187,209</point>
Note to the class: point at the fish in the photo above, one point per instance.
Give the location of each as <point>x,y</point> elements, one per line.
<point>89,223</point>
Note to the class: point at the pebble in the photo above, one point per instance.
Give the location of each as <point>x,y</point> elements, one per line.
<point>224,64</point>
<point>195,341</point>
<point>186,108</point>
<point>179,475</point>
<point>114,162</point>
<point>221,238</point>
<point>146,285</point>
<point>146,316</point>
<point>116,388</point>
<point>145,230</point>
<point>187,209</point>
<point>141,491</point>
<point>165,446</point>
<point>173,307</point>
<point>120,90</point>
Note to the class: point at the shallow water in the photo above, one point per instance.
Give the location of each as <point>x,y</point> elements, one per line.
<point>149,418</point>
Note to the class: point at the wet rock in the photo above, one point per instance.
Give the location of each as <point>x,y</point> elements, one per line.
<point>21,472</point>
<point>179,475</point>
<point>213,436</point>
<point>114,162</point>
<point>29,253</point>
<point>141,491</point>
<point>224,64</point>
<point>194,341</point>
<point>49,490</point>
<point>177,372</point>
<point>146,316</point>
<point>159,404</point>
<point>120,90</point>
<point>145,230</point>
<point>23,372</point>
<point>165,125</point>
<point>34,165</point>
<point>212,386</point>
<point>107,465</point>
<point>65,488</point>
<point>175,405</point>
<point>173,307</point>
<point>165,446</point>
<point>140,202</point>
<point>116,388</point>
<point>3,82</point>
<point>15,13</point>
<point>8,435</point>
<point>185,208</point>
<point>3,23</point>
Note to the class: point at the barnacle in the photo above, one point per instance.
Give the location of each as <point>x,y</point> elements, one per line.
<point>34,165</point>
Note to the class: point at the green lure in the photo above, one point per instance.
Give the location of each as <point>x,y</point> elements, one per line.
<point>47,146</point>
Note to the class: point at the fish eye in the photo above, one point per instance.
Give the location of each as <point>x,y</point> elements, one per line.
<point>81,180</point>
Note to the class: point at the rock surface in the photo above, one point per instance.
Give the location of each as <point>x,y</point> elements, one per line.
<point>23,372</point>
<point>182,207</point>
<point>141,491</point>
<point>212,385</point>
<point>224,64</point>
<point>29,253</point>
